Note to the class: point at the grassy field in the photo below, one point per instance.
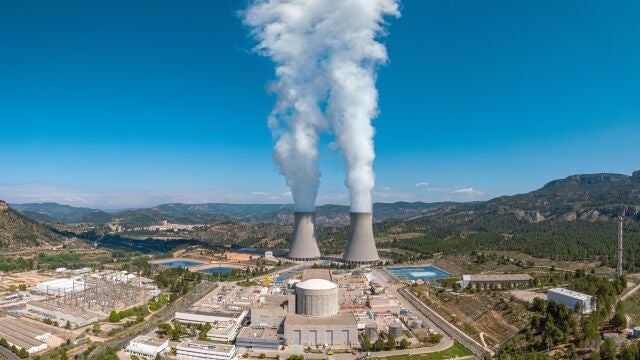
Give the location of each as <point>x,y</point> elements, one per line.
<point>454,351</point>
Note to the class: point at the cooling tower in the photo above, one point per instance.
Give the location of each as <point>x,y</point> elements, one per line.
<point>304,245</point>
<point>360,246</point>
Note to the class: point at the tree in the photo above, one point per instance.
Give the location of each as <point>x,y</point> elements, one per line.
<point>608,349</point>
<point>96,328</point>
<point>114,316</point>
<point>378,345</point>
<point>203,332</point>
<point>404,343</point>
<point>391,343</point>
<point>67,325</point>
<point>366,344</point>
<point>538,305</point>
<point>619,320</point>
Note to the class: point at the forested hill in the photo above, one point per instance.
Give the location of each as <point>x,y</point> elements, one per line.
<point>585,197</point>
<point>572,218</point>
<point>18,231</point>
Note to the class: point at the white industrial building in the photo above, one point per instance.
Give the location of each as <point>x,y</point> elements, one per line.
<point>203,350</point>
<point>570,298</point>
<point>60,286</point>
<point>225,324</point>
<point>76,316</point>
<point>147,346</point>
<point>23,336</point>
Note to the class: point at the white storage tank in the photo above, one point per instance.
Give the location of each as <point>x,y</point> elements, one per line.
<point>317,297</point>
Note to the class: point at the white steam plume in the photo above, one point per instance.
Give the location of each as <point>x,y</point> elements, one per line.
<point>326,54</point>
<point>282,29</point>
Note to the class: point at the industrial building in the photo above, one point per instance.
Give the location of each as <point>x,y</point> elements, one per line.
<point>254,337</point>
<point>225,323</point>
<point>339,329</point>
<point>585,303</point>
<point>361,247</point>
<point>76,316</point>
<point>203,350</point>
<point>311,317</point>
<point>304,245</point>
<point>22,335</point>
<point>269,311</point>
<point>147,347</point>
<point>61,286</point>
<point>314,317</point>
<point>496,280</point>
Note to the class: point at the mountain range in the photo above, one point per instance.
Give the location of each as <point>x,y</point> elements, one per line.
<point>19,231</point>
<point>577,200</point>
<point>213,213</point>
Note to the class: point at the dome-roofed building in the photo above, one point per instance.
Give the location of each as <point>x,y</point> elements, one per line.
<point>317,297</point>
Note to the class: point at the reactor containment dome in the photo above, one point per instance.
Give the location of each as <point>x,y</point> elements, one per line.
<point>317,297</point>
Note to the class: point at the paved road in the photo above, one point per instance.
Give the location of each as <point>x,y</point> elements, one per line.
<point>8,354</point>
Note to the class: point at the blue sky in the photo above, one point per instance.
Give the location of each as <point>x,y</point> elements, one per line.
<point>133,103</point>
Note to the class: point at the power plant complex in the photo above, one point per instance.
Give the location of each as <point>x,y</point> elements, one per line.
<point>360,248</point>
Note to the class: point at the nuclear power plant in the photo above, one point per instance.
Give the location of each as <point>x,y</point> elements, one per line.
<point>304,246</point>
<point>361,247</point>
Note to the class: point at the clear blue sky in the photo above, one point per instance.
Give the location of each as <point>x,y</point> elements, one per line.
<point>131,103</point>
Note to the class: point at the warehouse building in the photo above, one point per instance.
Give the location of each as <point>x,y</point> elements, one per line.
<point>573,300</point>
<point>202,350</point>
<point>147,347</point>
<point>61,286</point>
<point>500,281</point>
<point>22,335</point>
<point>43,310</point>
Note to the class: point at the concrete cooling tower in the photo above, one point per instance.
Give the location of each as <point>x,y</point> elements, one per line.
<point>360,246</point>
<point>304,245</point>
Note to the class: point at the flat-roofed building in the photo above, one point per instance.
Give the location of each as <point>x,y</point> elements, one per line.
<point>573,300</point>
<point>258,338</point>
<point>201,315</point>
<point>146,346</point>
<point>22,335</point>
<point>500,281</point>
<point>269,311</point>
<point>204,350</point>
<point>335,330</point>
<point>76,316</point>
<point>61,286</point>
<point>224,331</point>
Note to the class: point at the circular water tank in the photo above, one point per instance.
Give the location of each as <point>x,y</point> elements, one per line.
<point>317,297</point>
<point>416,324</point>
<point>395,330</point>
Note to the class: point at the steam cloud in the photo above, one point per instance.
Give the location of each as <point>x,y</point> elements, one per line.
<point>326,54</point>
